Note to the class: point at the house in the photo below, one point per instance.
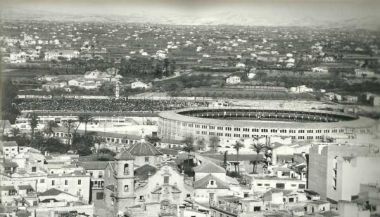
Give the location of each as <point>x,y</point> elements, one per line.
<point>96,74</point>
<point>364,73</point>
<point>96,171</point>
<point>233,79</point>
<point>320,70</point>
<point>67,54</point>
<point>9,148</point>
<point>139,85</point>
<point>236,206</point>
<point>210,181</point>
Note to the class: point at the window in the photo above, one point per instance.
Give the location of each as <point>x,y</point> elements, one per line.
<point>291,200</point>
<point>259,184</point>
<point>204,127</point>
<point>211,127</point>
<point>257,208</point>
<point>280,185</point>
<point>126,188</point>
<point>236,135</point>
<point>301,186</point>
<point>34,169</point>
<point>42,180</point>
<point>99,195</point>
<point>126,169</point>
<point>228,128</point>
<point>236,129</point>
<point>255,130</point>
<point>219,128</point>
<point>264,130</point>
<point>66,182</point>
<point>219,134</point>
<point>211,133</point>
<point>166,179</point>
<point>273,131</point>
<point>52,182</point>
<point>227,134</point>
<point>246,129</point>
<point>146,159</point>
<point>212,182</point>
<point>301,131</point>
<point>309,131</point>
<point>292,131</point>
<point>204,132</point>
<point>79,182</point>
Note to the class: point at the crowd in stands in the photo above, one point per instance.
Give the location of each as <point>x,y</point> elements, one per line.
<point>105,105</point>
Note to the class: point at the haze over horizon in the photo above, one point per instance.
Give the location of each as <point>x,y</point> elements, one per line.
<point>337,13</point>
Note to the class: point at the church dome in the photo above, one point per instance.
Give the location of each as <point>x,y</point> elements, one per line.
<point>143,149</point>
<point>125,155</point>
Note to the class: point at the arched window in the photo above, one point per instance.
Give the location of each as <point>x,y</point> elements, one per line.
<point>126,169</point>
<point>126,188</point>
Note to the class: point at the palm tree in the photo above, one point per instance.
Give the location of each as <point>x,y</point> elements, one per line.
<point>237,146</point>
<point>15,131</point>
<point>33,122</point>
<point>257,147</point>
<point>69,124</point>
<point>85,118</point>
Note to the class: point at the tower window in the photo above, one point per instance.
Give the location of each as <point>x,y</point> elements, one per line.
<point>126,188</point>
<point>166,179</point>
<point>126,169</point>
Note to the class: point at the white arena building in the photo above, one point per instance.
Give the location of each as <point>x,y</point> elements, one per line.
<point>242,123</point>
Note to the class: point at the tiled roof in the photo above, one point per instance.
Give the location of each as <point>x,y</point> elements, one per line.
<point>94,165</point>
<point>25,187</point>
<point>144,149</point>
<point>8,144</point>
<point>144,171</point>
<point>209,167</point>
<point>125,155</point>
<point>204,182</point>
<point>52,192</point>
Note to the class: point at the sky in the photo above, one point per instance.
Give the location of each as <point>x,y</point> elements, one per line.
<point>334,13</point>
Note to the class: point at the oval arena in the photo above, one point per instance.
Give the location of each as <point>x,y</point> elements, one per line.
<point>242,123</point>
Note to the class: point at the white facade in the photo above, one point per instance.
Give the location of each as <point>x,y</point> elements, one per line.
<point>139,85</point>
<point>233,80</point>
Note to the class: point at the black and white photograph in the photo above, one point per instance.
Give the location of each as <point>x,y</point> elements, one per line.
<point>190,108</point>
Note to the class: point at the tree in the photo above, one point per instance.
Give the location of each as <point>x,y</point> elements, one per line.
<point>15,132</point>
<point>237,146</point>
<point>189,147</point>
<point>8,93</point>
<point>69,124</point>
<point>48,130</point>
<point>54,145</point>
<point>214,143</point>
<point>82,144</point>
<point>225,160</point>
<point>201,144</point>
<point>85,118</point>
<point>33,122</point>
<point>106,151</point>
<point>152,139</point>
<point>257,147</point>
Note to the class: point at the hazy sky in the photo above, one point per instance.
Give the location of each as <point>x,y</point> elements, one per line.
<point>349,13</point>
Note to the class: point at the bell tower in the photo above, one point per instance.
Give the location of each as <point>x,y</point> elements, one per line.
<point>125,182</point>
